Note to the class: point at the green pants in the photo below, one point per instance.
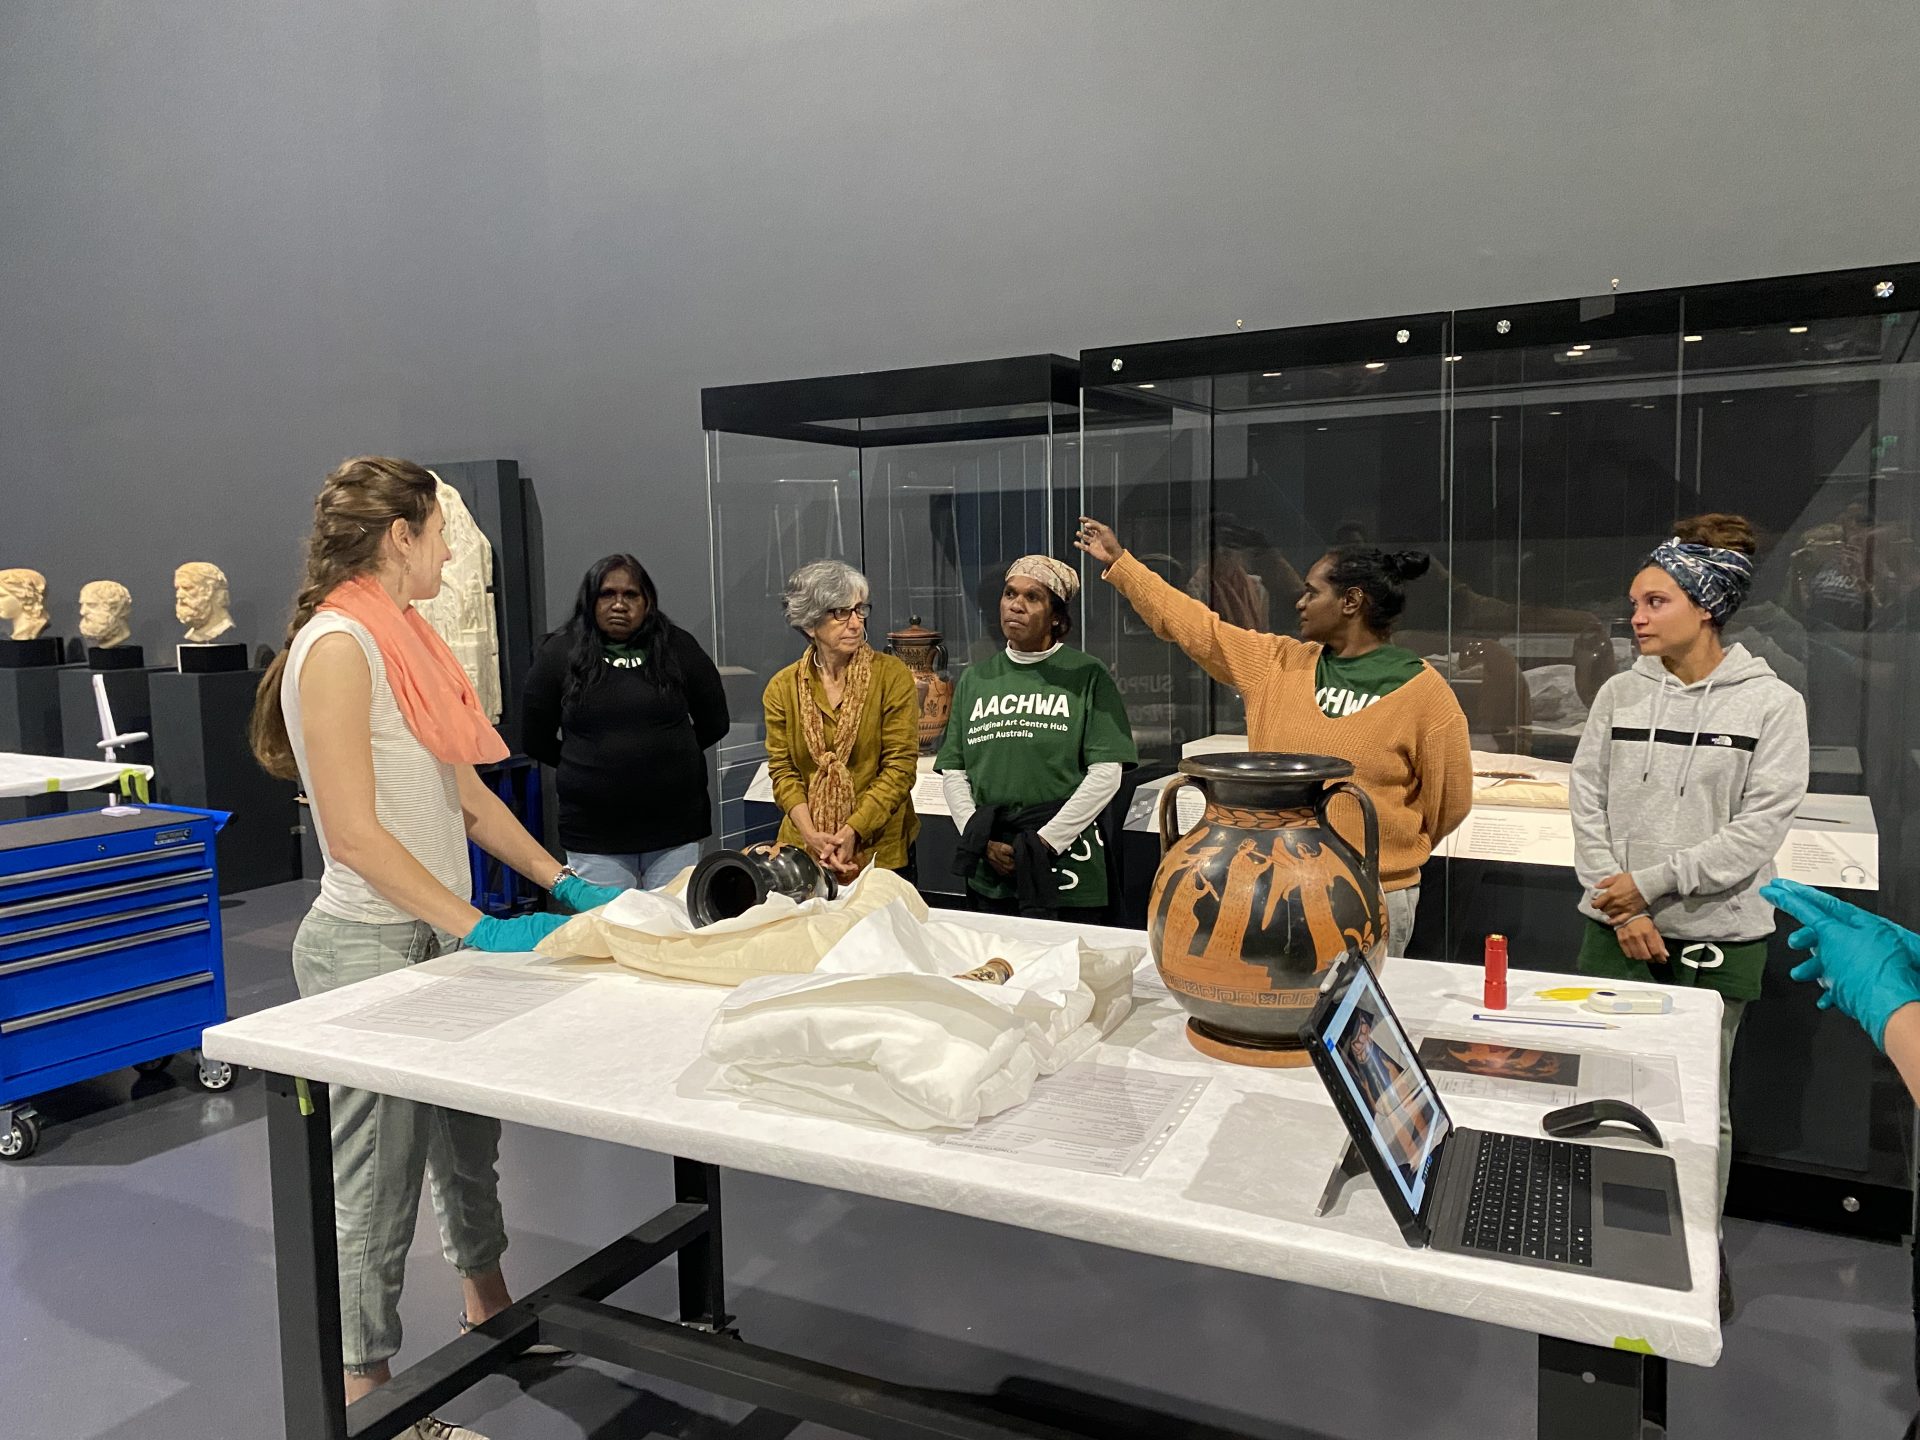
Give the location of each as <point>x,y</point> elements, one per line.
<point>382,1144</point>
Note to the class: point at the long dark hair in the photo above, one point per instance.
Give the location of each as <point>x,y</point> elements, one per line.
<point>585,661</point>
<point>1378,575</point>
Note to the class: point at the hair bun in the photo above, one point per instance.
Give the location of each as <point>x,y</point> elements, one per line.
<point>1409,564</point>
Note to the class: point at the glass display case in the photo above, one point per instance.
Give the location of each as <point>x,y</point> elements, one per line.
<point>930,481</point>
<point>1537,453</point>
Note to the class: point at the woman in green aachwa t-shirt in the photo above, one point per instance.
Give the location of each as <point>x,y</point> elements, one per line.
<point>1032,755</point>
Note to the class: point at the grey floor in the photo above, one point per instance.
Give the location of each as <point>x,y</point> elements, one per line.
<point>137,1297</point>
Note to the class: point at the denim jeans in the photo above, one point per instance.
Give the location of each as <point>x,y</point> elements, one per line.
<point>381,1145</point>
<point>647,870</point>
<point>1401,905</point>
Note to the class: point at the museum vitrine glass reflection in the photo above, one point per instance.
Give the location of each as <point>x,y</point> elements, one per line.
<point>1538,452</point>
<point>930,481</point>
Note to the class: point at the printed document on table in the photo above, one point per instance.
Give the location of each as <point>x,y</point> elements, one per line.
<point>1103,1119</point>
<point>1543,1078</point>
<point>461,1006</point>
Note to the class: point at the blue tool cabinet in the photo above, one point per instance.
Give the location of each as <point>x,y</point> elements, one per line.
<point>109,952</point>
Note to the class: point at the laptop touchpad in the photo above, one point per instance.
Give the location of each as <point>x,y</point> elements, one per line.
<point>1634,1207</point>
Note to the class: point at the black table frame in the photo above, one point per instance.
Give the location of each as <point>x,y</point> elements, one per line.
<point>1586,1392</point>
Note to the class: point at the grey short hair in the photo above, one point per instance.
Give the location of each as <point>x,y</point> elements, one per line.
<point>820,586</point>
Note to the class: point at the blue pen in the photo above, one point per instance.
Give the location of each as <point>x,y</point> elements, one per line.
<point>1562,1024</point>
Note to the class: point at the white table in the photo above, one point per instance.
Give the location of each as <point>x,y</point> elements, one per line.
<point>929,796</point>
<point>619,1059</point>
<point>1834,841</point>
<point>23,775</point>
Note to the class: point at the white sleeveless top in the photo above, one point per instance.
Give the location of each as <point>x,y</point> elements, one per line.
<point>416,797</point>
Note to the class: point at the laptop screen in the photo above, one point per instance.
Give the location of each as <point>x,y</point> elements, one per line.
<point>1375,1061</point>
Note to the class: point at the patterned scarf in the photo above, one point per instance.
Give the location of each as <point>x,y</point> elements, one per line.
<point>1714,579</point>
<point>830,793</point>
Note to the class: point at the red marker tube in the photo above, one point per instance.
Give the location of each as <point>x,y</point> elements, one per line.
<point>1496,963</point>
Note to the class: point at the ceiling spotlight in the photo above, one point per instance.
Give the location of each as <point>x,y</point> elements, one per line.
<point>1270,374</point>
<point>1553,412</point>
<point>1403,336</point>
<point>1376,364</point>
<point>1575,354</point>
<point>1884,290</point>
<point>1452,358</point>
<point>1117,363</point>
<point>1796,329</point>
<point>1504,327</point>
<point>1693,339</point>
<point>1143,387</point>
<point>1581,347</point>
<point>1319,427</point>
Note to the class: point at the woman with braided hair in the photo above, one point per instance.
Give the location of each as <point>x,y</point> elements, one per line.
<point>368,708</point>
<point>1686,780</point>
<point>843,745</point>
<point>1342,688</point>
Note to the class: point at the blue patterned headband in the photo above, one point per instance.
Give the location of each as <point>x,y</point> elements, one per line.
<point>1714,579</point>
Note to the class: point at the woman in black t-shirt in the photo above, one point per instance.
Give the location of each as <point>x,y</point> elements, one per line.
<point>623,703</point>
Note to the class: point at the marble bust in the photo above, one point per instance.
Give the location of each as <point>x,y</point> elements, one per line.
<point>201,601</point>
<point>23,600</point>
<point>106,613</point>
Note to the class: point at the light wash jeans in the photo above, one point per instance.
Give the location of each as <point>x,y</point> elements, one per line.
<point>1401,905</point>
<point>382,1143</point>
<point>647,870</point>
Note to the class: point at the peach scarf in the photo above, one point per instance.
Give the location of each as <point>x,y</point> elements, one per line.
<point>434,695</point>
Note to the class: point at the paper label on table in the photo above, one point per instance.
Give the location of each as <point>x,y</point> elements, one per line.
<point>461,1006</point>
<point>1466,1065</point>
<point>930,795</point>
<point>1839,861</point>
<point>1101,1119</point>
<point>1147,984</point>
<point>1525,837</point>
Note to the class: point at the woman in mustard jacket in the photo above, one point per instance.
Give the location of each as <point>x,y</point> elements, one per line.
<point>843,746</point>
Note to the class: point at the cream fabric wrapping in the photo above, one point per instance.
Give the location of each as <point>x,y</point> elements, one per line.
<point>651,931</point>
<point>894,1026</point>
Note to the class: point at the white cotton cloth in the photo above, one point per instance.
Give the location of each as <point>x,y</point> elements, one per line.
<point>884,1028</point>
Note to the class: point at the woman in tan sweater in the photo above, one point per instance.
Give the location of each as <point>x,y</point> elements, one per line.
<point>1341,689</point>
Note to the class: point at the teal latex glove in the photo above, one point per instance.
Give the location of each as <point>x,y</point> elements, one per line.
<point>513,933</point>
<point>1865,964</point>
<point>577,894</point>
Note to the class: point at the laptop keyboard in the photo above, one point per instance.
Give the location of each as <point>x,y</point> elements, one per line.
<point>1532,1198</point>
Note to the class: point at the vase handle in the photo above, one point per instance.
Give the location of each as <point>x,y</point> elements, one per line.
<point>1170,831</point>
<point>1370,859</point>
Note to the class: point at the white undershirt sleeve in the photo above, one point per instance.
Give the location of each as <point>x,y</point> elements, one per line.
<point>1101,784</point>
<point>959,792</point>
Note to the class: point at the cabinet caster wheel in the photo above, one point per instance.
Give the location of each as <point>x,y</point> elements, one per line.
<point>20,1139</point>
<point>214,1075</point>
<point>153,1067</point>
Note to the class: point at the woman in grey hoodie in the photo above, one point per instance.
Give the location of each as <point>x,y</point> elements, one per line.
<point>1690,770</point>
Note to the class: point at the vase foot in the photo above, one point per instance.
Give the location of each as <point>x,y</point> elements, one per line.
<point>1278,1055</point>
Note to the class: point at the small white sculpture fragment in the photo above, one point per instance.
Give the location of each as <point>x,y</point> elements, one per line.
<point>463,611</point>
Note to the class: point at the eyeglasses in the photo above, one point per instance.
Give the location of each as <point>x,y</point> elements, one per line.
<point>840,614</point>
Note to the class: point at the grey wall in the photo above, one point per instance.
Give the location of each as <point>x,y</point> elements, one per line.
<point>239,242</point>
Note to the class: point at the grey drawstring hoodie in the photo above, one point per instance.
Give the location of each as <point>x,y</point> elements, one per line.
<point>1690,789</point>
